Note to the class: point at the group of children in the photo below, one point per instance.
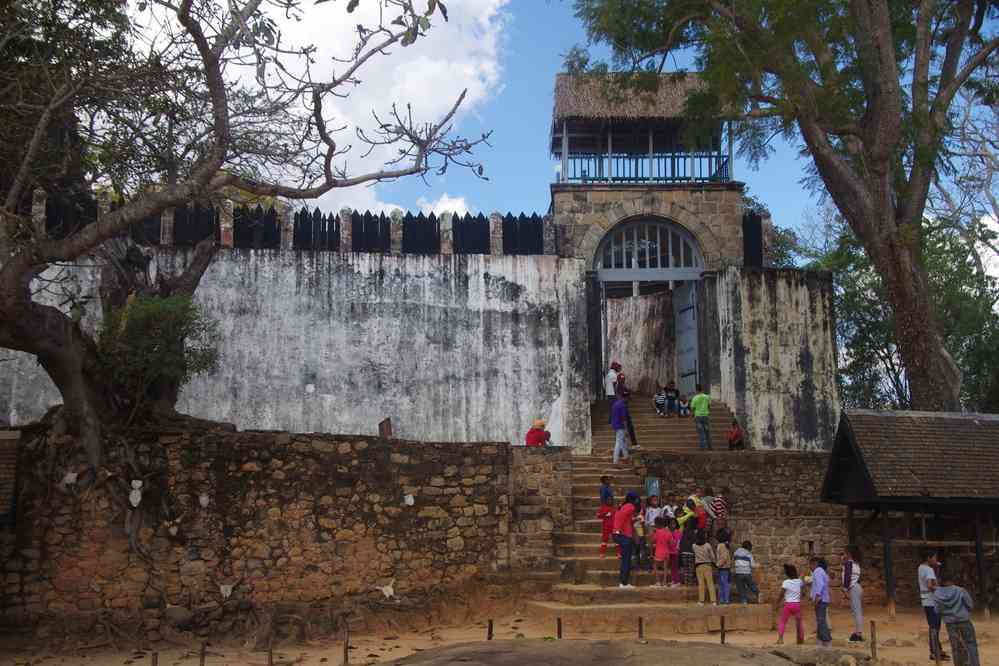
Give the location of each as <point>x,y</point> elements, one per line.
<point>689,540</point>
<point>944,602</point>
<point>674,539</point>
<point>670,402</point>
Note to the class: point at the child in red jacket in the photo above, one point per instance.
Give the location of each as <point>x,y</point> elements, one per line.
<point>606,514</point>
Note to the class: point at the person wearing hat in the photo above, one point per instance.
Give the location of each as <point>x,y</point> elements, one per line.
<point>537,435</point>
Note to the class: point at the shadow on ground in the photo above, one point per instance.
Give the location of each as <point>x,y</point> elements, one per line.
<point>621,653</point>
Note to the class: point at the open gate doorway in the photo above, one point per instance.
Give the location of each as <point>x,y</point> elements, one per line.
<point>643,304</point>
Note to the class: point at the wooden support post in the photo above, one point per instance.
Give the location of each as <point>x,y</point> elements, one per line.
<point>889,569</point>
<point>564,176</point>
<point>983,583</point>
<point>610,154</point>
<point>346,642</point>
<point>489,630</point>
<point>651,155</point>
<point>731,152</point>
<point>270,651</point>
<point>723,630</point>
<point>201,656</point>
<point>154,658</point>
<point>874,641</point>
<point>558,628</point>
<point>641,628</point>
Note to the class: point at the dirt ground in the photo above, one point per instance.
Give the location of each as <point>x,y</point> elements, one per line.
<point>901,640</point>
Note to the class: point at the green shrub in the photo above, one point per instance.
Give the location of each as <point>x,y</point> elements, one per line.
<point>152,347</point>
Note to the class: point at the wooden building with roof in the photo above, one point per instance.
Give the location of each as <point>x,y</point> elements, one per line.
<point>930,478</point>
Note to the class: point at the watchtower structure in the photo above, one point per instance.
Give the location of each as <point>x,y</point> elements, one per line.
<point>623,155</point>
<point>647,197</point>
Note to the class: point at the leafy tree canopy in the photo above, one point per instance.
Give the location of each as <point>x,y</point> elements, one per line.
<point>867,85</point>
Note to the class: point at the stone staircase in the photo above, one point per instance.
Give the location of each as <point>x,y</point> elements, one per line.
<point>589,600</point>
<point>656,433</point>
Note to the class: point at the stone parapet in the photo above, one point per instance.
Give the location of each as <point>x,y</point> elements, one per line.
<point>541,501</point>
<point>712,212</point>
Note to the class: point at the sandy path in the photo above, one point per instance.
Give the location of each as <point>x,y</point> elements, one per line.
<point>902,639</point>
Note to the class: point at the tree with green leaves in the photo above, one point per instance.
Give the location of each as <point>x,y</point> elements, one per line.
<point>872,374</point>
<point>167,102</point>
<point>867,85</point>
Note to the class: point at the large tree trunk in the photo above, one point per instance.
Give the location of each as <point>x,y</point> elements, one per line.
<point>91,401</point>
<point>934,378</point>
<point>69,356</point>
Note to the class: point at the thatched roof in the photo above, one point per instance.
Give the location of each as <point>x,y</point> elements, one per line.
<point>596,97</point>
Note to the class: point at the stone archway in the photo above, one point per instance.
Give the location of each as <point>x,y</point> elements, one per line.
<point>653,207</point>
<point>647,268</point>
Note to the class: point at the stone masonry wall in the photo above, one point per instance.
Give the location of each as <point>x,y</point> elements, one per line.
<point>711,212</point>
<point>541,496</point>
<point>774,500</point>
<point>284,519</point>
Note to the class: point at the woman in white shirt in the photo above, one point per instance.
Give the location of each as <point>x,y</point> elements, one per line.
<point>790,592</point>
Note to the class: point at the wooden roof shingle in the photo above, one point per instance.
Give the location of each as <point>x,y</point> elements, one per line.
<point>943,455</point>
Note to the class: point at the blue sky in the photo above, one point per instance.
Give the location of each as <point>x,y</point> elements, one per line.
<point>532,37</point>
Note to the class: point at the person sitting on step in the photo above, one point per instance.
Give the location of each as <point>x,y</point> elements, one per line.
<point>683,406</point>
<point>660,401</point>
<point>736,437</point>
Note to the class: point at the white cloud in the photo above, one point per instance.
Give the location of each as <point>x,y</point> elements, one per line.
<point>462,53</point>
<point>444,204</point>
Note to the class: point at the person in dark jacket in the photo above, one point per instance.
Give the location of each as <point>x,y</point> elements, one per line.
<point>619,422</point>
<point>954,606</point>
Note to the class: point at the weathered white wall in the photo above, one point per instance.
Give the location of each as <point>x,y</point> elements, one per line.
<point>778,356</point>
<point>452,348</point>
<point>26,392</point>
<point>641,337</point>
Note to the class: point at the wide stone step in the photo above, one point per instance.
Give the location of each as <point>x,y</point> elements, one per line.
<point>588,525</point>
<point>609,579</point>
<point>583,595</point>
<point>658,618</point>
<point>581,549</point>
<point>594,563</point>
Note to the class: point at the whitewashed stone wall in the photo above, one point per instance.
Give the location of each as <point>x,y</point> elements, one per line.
<point>453,348</point>
<point>777,357</point>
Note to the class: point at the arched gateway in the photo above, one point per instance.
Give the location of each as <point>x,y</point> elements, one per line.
<point>650,254</point>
